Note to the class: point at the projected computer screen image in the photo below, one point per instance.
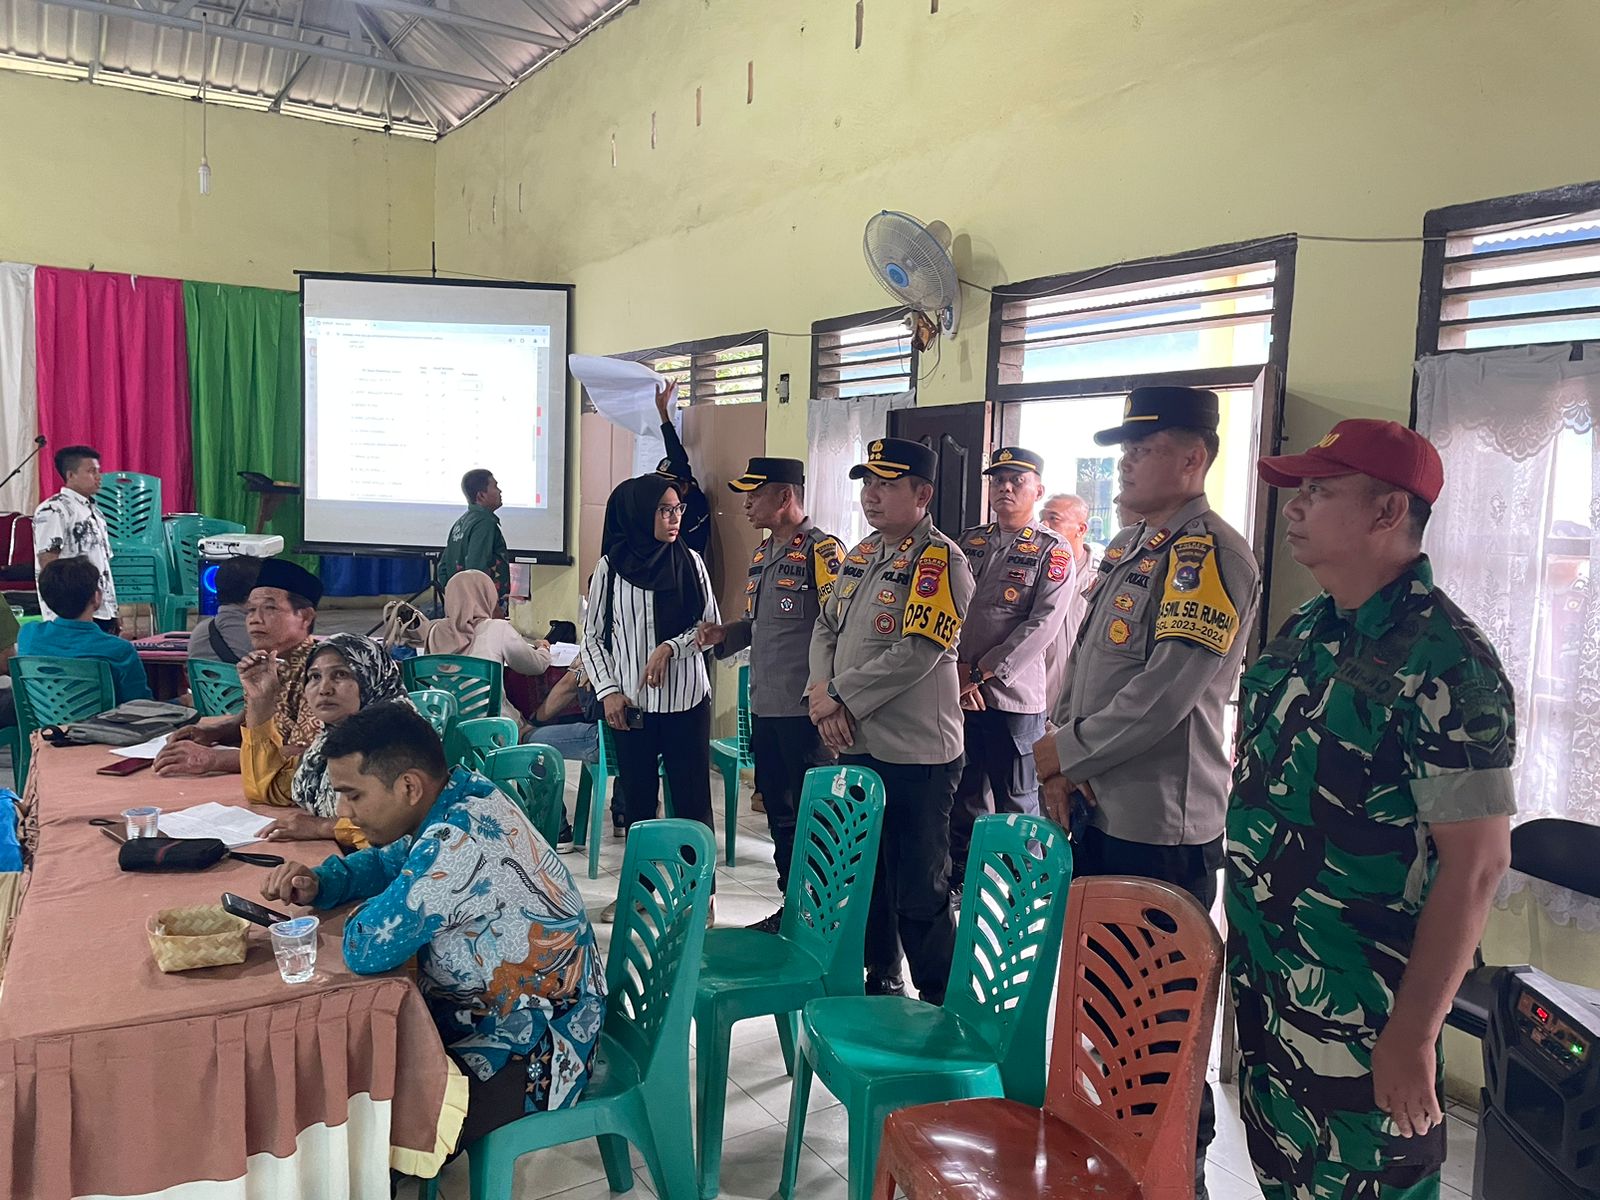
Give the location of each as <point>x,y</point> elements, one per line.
<point>410,384</point>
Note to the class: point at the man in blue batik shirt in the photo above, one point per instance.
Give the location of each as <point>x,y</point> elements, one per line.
<point>456,875</point>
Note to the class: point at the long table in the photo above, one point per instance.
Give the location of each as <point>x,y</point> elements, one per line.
<point>225,1083</point>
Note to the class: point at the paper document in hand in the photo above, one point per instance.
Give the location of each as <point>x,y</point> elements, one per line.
<point>228,823</point>
<point>563,654</point>
<point>143,750</point>
<point>624,393</point>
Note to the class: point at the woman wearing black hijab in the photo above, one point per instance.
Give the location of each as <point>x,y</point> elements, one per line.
<point>647,597</point>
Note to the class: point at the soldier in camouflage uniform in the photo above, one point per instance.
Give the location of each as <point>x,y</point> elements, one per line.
<point>1368,826</point>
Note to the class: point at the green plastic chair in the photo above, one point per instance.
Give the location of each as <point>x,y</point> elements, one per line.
<point>184,534</point>
<point>639,1089</point>
<point>882,1053</point>
<point>536,778</point>
<point>594,781</point>
<point>438,706</point>
<point>476,683</point>
<point>816,952</point>
<point>54,691</point>
<point>472,741</point>
<point>131,505</point>
<point>140,575</point>
<point>729,756</point>
<point>215,687</point>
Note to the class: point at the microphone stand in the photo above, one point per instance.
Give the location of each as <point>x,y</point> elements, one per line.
<point>17,470</point>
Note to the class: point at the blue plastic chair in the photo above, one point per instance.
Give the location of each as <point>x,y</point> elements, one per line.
<point>639,1089</point>
<point>729,757</point>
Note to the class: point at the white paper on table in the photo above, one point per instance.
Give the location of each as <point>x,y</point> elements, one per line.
<point>563,654</point>
<point>624,393</point>
<point>143,750</point>
<point>228,823</point>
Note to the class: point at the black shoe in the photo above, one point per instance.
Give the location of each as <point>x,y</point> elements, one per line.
<point>769,924</point>
<point>564,841</point>
<point>892,986</point>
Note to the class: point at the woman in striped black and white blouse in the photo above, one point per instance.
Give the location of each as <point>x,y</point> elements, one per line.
<point>648,595</point>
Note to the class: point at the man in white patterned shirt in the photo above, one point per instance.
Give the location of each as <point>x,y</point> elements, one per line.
<point>69,525</point>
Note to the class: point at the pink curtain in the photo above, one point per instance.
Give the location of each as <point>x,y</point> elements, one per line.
<point>114,374</point>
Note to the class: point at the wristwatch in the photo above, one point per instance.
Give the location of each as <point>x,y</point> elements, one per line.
<point>833,693</point>
<point>975,675</point>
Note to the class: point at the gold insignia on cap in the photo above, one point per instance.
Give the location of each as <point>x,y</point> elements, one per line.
<point>875,449</point>
<point>1003,456</point>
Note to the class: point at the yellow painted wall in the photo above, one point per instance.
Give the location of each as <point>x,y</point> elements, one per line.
<point>1050,135</point>
<point>96,176</point>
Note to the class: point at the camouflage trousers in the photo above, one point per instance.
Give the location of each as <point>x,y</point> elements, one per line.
<point>1315,1136</point>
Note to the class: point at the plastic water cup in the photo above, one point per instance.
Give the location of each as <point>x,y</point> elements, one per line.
<point>295,945</point>
<point>142,822</point>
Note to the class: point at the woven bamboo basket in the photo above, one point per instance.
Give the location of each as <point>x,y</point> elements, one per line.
<point>204,935</point>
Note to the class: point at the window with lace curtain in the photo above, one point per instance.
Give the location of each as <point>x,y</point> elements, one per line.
<point>1508,388</point>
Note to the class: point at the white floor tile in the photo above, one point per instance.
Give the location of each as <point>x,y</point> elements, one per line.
<point>752,1165</point>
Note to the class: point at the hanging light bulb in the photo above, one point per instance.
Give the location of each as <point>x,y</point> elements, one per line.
<point>205,167</point>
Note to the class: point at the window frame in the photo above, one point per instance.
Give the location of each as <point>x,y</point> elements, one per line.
<point>820,329</point>
<point>1280,250</point>
<point>1440,224</point>
<point>701,347</point>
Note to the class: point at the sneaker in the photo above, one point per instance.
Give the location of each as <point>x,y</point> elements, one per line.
<point>769,924</point>
<point>891,986</point>
<point>608,914</point>
<point>757,804</point>
<point>711,913</point>
<point>564,842</point>
<point>618,831</point>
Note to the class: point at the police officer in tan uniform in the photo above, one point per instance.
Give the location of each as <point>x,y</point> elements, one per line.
<point>791,573</point>
<point>1024,575</point>
<point>885,694</point>
<point>1156,660</point>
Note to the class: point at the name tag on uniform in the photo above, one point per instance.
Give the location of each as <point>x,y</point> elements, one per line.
<point>1369,681</point>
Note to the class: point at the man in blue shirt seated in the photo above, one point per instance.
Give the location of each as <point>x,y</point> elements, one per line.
<point>456,875</point>
<point>72,586</point>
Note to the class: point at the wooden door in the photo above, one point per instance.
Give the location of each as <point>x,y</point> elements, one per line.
<point>958,433</point>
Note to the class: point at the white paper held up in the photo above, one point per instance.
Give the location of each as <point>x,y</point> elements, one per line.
<point>624,392</point>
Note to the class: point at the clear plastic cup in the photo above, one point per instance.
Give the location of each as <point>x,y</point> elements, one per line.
<point>142,822</point>
<point>295,944</point>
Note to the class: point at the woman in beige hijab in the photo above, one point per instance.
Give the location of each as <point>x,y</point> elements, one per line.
<point>470,627</point>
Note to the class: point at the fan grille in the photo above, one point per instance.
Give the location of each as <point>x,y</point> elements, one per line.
<point>910,262</point>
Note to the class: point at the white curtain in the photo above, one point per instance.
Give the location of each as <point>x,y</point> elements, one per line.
<point>838,433</point>
<point>1513,543</point>
<point>19,396</point>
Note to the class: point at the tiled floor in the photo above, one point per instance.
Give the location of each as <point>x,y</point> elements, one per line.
<point>758,1090</point>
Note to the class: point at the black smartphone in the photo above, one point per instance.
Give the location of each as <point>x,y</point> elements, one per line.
<point>635,717</point>
<point>126,766</point>
<point>250,911</point>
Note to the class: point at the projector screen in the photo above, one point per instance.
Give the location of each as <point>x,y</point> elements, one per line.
<point>411,383</point>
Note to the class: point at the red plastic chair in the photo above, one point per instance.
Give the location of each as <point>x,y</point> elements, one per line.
<point>1140,968</point>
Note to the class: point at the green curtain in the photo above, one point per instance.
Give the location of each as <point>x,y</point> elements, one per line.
<point>244,388</point>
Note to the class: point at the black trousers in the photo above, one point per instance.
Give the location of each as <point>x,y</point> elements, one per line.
<point>1194,869</point>
<point>910,909</point>
<point>784,748</point>
<point>682,742</point>
<point>1000,776</point>
<point>493,1102</point>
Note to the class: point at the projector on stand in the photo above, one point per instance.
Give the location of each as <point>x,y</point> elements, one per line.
<point>241,545</point>
<point>214,551</point>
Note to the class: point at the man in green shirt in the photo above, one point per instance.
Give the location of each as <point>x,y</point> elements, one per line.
<point>1368,827</point>
<point>476,543</point>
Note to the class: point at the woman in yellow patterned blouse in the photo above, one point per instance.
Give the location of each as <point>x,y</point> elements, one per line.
<point>342,675</point>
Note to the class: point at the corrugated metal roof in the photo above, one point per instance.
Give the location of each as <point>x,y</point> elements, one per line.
<point>413,66</point>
